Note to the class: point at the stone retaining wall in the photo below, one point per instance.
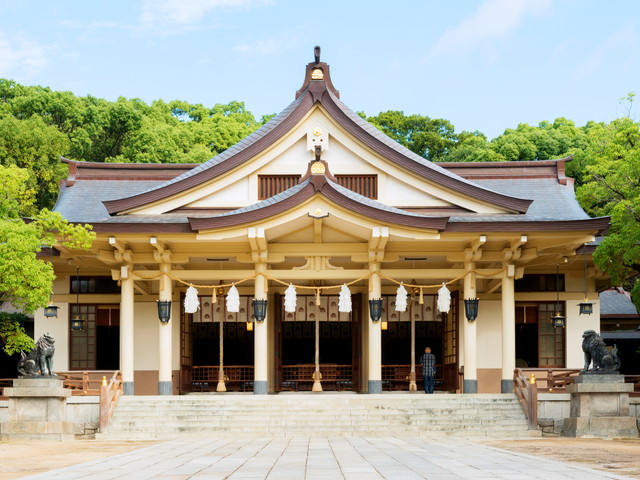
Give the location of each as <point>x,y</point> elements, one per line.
<point>553,408</point>
<point>83,412</point>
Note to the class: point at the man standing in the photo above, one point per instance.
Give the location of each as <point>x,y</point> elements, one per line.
<point>428,362</point>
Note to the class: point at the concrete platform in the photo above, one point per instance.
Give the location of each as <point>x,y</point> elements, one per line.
<point>305,457</point>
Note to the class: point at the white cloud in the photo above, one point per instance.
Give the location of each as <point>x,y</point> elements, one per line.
<point>620,47</point>
<point>21,56</point>
<point>271,45</point>
<point>185,12</point>
<point>493,20</point>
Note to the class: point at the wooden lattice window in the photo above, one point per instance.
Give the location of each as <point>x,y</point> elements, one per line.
<point>365,185</point>
<point>270,185</point>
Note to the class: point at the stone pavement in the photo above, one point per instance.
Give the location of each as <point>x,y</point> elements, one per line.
<point>315,458</point>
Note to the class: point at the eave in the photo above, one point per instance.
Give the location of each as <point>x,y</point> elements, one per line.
<point>318,185</point>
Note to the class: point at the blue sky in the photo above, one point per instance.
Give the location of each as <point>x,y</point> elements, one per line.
<point>484,65</point>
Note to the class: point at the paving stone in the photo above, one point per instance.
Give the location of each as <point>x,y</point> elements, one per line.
<point>311,458</point>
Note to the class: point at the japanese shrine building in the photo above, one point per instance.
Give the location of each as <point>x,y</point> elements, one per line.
<point>319,198</point>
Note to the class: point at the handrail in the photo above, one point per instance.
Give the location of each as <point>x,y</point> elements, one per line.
<point>110,393</point>
<point>527,394</point>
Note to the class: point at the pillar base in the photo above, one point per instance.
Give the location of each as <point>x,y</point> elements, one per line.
<point>470,386</point>
<point>506,386</point>
<point>127,388</point>
<point>375,386</point>
<point>165,388</point>
<point>260,387</point>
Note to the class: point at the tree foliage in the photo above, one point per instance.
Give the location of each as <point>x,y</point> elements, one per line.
<point>612,188</point>
<point>25,280</point>
<point>12,335</point>
<point>431,138</point>
<point>38,125</point>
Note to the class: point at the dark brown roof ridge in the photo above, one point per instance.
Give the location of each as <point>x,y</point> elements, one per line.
<point>516,169</point>
<point>317,91</point>
<point>355,125</point>
<point>317,184</point>
<point>133,166</point>
<point>225,161</point>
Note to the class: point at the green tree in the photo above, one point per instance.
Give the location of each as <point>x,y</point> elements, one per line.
<point>431,138</point>
<point>612,188</point>
<point>36,147</point>
<point>25,281</point>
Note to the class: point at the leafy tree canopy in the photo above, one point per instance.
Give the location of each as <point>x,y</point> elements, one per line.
<point>25,280</point>
<point>612,188</point>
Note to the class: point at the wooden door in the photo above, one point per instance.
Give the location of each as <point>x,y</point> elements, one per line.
<point>186,349</point>
<point>278,315</point>
<point>356,342</point>
<point>450,346</point>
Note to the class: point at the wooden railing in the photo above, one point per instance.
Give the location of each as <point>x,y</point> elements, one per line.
<point>79,382</point>
<point>300,377</point>
<point>396,377</point>
<point>110,393</point>
<point>238,378</point>
<point>5,382</point>
<point>552,380</point>
<point>635,380</point>
<point>86,382</point>
<point>526,391</point>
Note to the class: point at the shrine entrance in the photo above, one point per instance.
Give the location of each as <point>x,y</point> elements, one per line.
<point>338,342</point>
<point>430,329</point>
<point>201,346</point>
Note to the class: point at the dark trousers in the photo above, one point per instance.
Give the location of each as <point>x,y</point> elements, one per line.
<point>428,383</point>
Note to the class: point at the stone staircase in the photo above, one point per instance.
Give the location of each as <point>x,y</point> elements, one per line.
<point>219,415</point>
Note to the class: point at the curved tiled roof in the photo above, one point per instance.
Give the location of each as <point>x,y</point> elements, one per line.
<point>306,189</point>
<point>317,91</point>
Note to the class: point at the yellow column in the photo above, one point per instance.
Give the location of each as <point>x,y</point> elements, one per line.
<point>470,384</point>
<point>375,334</point>
<point>508,330</point>
<point>165,385</point>
<point>126,330</point>
<point>260,385</point>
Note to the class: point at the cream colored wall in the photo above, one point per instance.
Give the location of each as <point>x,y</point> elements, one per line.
<point>146,335</point>
<point>576,324</point>
<point>489,333</point>
<point>145,326</point>
<point>398,193</point>
<point>231,196</point>
<point>58,328</point>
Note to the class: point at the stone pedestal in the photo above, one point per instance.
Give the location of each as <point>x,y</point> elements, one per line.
<point>37,410</point>
<point>600,407</point>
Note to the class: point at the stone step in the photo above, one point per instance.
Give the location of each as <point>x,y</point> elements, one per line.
<point>319,414</point>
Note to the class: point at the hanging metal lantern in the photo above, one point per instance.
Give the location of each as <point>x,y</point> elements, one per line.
<point>375,309</point>
<point>260,310</point>
<point>471,308</point>
<point>164,310</point>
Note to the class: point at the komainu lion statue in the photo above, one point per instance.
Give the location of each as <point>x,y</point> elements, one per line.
<point>596,352</point>
<point>39,361</point>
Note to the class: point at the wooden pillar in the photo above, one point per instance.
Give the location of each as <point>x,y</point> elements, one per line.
<point>126,330</point>
<point>221,387</point>
<point>375,334</point>
<point>413,387</point>
<point>260,385</point>
<point>470,383</point>
<point>165,384</point>
<point>508,329</point>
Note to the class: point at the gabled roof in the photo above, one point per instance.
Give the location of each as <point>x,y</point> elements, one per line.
<point>317,89</point>
<point>321,185</point>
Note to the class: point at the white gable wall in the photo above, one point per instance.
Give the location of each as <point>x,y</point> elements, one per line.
<point>292,154</point>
